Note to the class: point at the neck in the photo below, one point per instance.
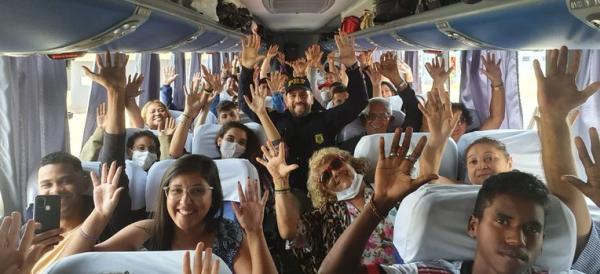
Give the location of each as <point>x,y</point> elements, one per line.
<point>480,267</point>
<point>359,200</point>
<point>77,217</point>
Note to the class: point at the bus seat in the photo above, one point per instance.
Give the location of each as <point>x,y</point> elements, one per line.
<point>126,262</point>
<point>396,102</point>
<point>356,128</point>
<point>368,147</point>
<point>431,223</point>
<point>204,138</point>
<point>231,171</point>
<point>522,145</point>
<point>175,114</point>
<point>131,131</point>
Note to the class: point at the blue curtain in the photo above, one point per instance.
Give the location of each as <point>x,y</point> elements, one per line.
<point>149,65</point>
<point>475,89</point>
<point>33,122</point>
<point>195,63</point>
<point>411,58</point>
<point>178,59</point>
<point>216,63</point>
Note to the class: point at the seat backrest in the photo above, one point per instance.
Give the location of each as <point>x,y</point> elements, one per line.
<point>137,183</point>
<point>204,138</point>
<point>522,145</point>
<point>126,262</point>
<point>368,147</point>
<point>431,224</point>
<point>396,102</point>
<point>175,113</point>
<point>356,128</point>
<point>231,171</point>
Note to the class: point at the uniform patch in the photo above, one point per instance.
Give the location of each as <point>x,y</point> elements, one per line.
<point>319,139</point>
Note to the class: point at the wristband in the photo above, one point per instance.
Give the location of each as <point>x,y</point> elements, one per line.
<point>375,210</point>
<point>283,190</point>
<point>87,236</point>
<point>497,87</point>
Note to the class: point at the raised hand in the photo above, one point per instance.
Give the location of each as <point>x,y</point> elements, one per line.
<point>557,91</point>
<point>101,116</point>
<point>491,68</point>
<point>313,56</point>
<point>213,80</point>
<point>132,88</point>
<point>277,81</point>
<point>202,265</point>
<point>272,52</point>
<point>591,189</point>
<point>234,65</point>
<point>18,255</point>
<point>299,67</point>
<point>250,210</point>
<point>275,162</point>
<point>249,54</point>
<point>437,71</point>
<point>392,174</point>
<point>168,127</point>
<point>345,45</point>
<point>193,103</point>
<point>169,75</point>
<point>111,73</point>
<point>107,190</point>
<point>389,68</point>
<point>342,75</point>
<point>374,73</point>
<point>439,115</point>
<point>257,103</point>
<point>196,79</point>
<point>405,71</point>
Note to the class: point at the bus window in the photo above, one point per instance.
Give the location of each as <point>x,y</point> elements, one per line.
<point>527,82</point>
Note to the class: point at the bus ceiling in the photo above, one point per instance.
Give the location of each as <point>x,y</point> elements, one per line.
<point>52,27</point>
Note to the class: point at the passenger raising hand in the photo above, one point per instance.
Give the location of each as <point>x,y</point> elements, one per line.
<point>438,112</point>
<point>365,59</point>
<point>169,75</point>
<point>249,54</point>
<point>202,265</point>
<point>193,103</point>
<point>389,68</point>
<point>17,253</point>
<point>491,69</point>
<point>277,81</point>
<point>374,73</point>
<point>557,91</point>
<point>213,81</point>
<point>101,116</point>
<point>132,88</point>
<point>168,127</point>
<point>345,45</point>
<point>392,174</point>
<point>257,103</point>
<point>276,164</point>
<point>299,67</point>
<point>106,190</point>
<point>591,189</point>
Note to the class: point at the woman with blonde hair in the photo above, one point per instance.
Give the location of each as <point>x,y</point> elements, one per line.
<point>338,192</point>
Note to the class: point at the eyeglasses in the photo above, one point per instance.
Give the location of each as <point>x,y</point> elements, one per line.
<point>176,193</point>
<point>378,116</point>
<point>335,164</point>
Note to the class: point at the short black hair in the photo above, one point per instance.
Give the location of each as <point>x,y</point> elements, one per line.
<point>390,86</point>
<point>61,157</point>
<point>513,183</point>
<point>465,116</point>
<point>144,133</point>
<point>337,87</point>
<point>252,143</point>
<point>226,106</point>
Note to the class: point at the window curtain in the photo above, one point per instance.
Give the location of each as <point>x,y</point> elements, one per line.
<point>589,113</point>
<point>195,63</point>
<point>411,58</point>
<point>216,63</point>
<point>475,89</point>
<point>149,65</point>
<point>178,60</point>
<point>33,121</point>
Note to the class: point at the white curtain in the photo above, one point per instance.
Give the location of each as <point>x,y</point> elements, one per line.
<point>589,116</point>
<point>33,121</point>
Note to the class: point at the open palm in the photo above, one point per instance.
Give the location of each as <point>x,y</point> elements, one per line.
<point>106,189</point>
<point>275,163</point>
<point>250,211</point>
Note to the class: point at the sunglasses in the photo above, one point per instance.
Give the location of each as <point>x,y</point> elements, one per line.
<point>335,164</point>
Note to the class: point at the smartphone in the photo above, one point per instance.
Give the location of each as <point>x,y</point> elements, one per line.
<point>46,211</point>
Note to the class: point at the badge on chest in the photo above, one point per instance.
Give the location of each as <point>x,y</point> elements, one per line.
<point>319,138</point>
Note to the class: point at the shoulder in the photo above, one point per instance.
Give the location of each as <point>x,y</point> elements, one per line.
<point>587,260</point>
<point>230,232</point>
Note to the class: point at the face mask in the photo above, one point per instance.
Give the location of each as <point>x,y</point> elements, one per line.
<point>231,150</point>
<point>352,190</point>
<point>143,159</point>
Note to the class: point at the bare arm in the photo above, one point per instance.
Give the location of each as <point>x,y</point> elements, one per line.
<point>265,67</point>
<point>497,104</point>
<point>257,105</point>
<point>132,89</point>
<point>165,133</point>
<point>557,95</point>
<point>286,208</point>
<point>374,73</point>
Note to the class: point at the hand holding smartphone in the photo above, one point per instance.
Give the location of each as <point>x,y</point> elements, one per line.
<point>46,211</point>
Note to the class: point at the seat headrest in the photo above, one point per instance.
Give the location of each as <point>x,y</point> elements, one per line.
<point>356,128</point>
<point>126,262</point>
<point>396,103</point>
<point>368,147</point>
<point>204,138</point>
<point>231,171</point>
<point>431,224</point>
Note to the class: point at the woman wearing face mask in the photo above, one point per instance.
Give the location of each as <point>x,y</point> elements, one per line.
<point>143,149</point>
<point>338,193</point>
<point>235,140</point>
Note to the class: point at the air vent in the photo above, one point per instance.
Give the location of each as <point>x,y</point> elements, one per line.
<point>297,6</point>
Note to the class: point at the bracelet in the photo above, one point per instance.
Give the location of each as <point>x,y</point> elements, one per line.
<point>375,210</point>
<point>497,87</point>
<point>185,116</point>
<point>87,236</point>
<point>283,190</point>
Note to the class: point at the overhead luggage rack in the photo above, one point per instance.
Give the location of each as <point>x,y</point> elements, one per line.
<point>517,24</point>
<point>51,27</point>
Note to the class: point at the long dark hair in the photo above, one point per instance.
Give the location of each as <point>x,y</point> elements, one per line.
<point>252,145</point>
<point>163,226</point>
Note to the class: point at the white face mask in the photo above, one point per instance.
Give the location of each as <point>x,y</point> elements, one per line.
<point>231,150</point>
<point>143,159</point>
<point>352,190</point>
<point>325,95</point>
